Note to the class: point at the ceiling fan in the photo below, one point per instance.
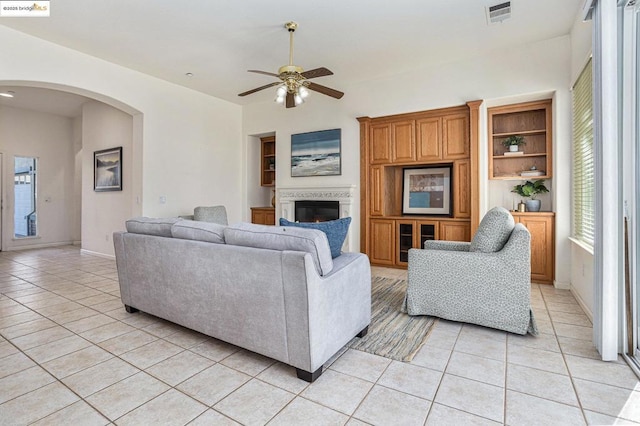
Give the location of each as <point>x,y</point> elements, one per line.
<point>294,84</point>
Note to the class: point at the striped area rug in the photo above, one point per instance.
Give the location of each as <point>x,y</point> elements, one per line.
<point>392,334</point>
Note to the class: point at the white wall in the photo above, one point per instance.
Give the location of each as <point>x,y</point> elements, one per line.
<point>582,259</point>
<point>47,137</point>
<point>530,69</point>
<point>103,213</point>
<point>187,146</point>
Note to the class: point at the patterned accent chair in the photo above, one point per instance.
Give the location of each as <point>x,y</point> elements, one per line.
<point>213,214</point>
<point>484,282</point>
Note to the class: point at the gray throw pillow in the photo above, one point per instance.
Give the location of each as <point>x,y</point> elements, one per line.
<point>200,231</point>
<point>151,226</point>
<point>311,241</point>
<point>493,232</point>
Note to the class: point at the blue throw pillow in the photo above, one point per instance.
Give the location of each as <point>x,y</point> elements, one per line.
<point>336,231</point>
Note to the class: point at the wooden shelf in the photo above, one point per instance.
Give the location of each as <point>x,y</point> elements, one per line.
<point>267,158</point>
<point>520,133</point>
<point>511,157</point>
<point>531,120</point>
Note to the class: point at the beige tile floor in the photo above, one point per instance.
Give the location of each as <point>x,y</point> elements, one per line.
<point>71,355</point>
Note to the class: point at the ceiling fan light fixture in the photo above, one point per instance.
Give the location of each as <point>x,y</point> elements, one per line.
<point>279,99</point>
<point>298,99</point>
<point>281,91</point>
<point>303,92</point>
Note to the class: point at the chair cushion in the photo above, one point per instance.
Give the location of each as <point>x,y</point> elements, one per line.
<point>151,226</point>
<point>336,231</point>
<point>215,214</point>
<point>311,241</point>
<point>200,231</point>
<point>493,232</point>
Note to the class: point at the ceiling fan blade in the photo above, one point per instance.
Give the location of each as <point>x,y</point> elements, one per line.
<point>263,72</point>
<point>266,86</point>
<point>325,90</point>
<point>318,72</point>
<point>291,103</point>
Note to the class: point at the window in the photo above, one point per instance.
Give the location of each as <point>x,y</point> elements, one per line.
<point>583,167</point>
<point>24,212</point>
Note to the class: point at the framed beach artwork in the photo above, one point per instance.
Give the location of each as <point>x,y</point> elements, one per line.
<point>427,190</point>
<point>107,170</point>
<point>316,153</point>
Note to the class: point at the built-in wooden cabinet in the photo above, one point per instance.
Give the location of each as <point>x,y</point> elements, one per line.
<point>403,141</point>
<point>390,144</point>
<point>531,120</point>
<point>455,136</point>
<point>455,231</point>
<point>541,227</point>
<point>429,139</point>
<point>380,150</point>
<point>413,234</point>
<point>263,215</point>
<point>383,237</point>
<point>268,161</point>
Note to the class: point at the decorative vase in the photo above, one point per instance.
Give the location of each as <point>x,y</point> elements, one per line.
<point>273,199</point>
<point>513,148</point>
<point>533,205</point>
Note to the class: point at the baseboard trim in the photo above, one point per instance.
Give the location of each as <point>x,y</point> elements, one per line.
<point>96,253</point>
<point>37,246</point>
<point>583,305</point>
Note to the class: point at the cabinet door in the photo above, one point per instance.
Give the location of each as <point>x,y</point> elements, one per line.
<point>382,242</point>
<point>380,151</point>
<point>258,216</point>
<point>462,188</point>
<point>270,217</point>
<point>429,139</point>
<point>455,231</point>
<point>542,252</point>
<point>455,138</point>
<point>376,190</point>
<point>406,232</point>
<point>403,147</point>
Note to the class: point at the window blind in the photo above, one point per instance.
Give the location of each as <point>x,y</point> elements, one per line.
<point>583,223</point>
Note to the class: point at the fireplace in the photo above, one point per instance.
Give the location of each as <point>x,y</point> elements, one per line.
<point>343,196</point>
<point>316,210</point>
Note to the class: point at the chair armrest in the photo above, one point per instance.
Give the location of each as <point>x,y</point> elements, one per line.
<point>447,245</point>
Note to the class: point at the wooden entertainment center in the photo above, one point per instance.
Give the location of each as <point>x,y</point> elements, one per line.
<point>390,144</point>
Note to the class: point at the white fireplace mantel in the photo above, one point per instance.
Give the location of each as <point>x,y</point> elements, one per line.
<point>345,195</point>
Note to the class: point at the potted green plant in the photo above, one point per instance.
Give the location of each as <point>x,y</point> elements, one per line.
<point>531,189</point>
<point>513,142</point>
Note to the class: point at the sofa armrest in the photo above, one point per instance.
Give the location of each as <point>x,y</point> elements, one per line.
<point>324,313</point>
<point>447,245</point>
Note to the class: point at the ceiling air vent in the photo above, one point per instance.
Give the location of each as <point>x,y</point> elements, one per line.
<point>498,13</point>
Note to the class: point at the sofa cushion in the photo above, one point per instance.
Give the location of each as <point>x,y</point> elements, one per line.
<point>336,231</point>
<point>311,241</point>
<point>201,231</point>
<point>215,214</point>
<point>493,232</point>
<point>151,226</point>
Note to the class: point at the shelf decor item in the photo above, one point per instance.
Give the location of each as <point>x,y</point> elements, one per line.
<point>107,170</point>
<point>513,142</point>
<point>427,190</point>
<point>531,189</point>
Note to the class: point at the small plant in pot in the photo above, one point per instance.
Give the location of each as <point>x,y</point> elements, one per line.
<point>531,189</point>
<point>513,142</point>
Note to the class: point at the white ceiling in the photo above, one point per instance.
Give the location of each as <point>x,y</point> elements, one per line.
<point>359,40</point>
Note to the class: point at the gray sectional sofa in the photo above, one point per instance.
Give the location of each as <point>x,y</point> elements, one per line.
<point>272,290</point>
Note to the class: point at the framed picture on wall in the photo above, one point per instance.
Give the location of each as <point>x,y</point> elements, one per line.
<point>316,154</point>
<point>107,170</point>
<point>427,190</point>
